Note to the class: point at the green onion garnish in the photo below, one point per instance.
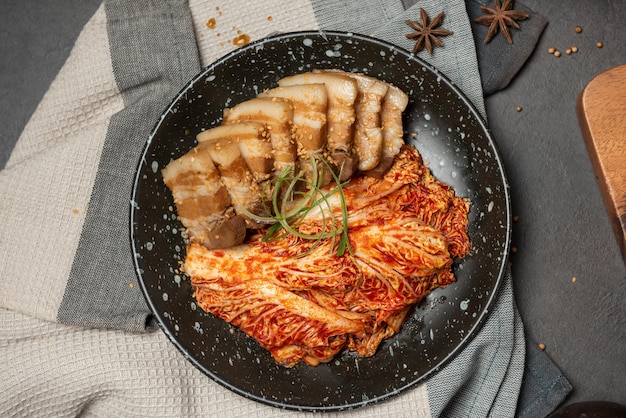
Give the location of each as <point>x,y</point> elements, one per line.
<point>290,197</point>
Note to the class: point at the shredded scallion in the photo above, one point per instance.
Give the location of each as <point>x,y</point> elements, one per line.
<point>290,197</point>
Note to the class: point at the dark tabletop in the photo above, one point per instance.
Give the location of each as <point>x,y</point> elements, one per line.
<point>562,231</point>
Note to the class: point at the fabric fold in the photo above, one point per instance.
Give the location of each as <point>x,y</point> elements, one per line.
<point>159,36</point>
<point>543,387</point>
<point>491,366</point>
<point>499,61</point>
<point>46,184</point>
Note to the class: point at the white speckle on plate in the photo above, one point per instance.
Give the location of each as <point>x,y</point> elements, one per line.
<point>155,166</point>
<point>464,304</point>
<point>490,206</point>
<point>165,297</point>
<point>307,42</point>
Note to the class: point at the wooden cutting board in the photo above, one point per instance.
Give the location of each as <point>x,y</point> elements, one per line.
<point>601,109</point>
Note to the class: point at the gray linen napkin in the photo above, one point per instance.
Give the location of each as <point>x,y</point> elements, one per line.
<point>86,137</point>
<point>498,60</point>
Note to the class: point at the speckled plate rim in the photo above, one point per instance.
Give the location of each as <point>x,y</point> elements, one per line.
<point>479,322</point>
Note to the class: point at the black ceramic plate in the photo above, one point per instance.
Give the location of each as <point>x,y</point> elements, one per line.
<point>452,138</point>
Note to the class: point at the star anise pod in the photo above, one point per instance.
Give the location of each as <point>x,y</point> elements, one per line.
<point>426,34</point>
<point>501,17</point>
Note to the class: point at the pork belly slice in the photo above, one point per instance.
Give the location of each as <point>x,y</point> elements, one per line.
<point>368,136</point>
<point>277,115</point>
<point>342,93</point>
<point>245,193</point>
<point>253,141</point>
<point>202,202</point>
<point>394,103</point>
<point>310,105</point>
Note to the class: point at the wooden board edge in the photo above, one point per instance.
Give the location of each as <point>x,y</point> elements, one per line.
<point>612,206</point>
